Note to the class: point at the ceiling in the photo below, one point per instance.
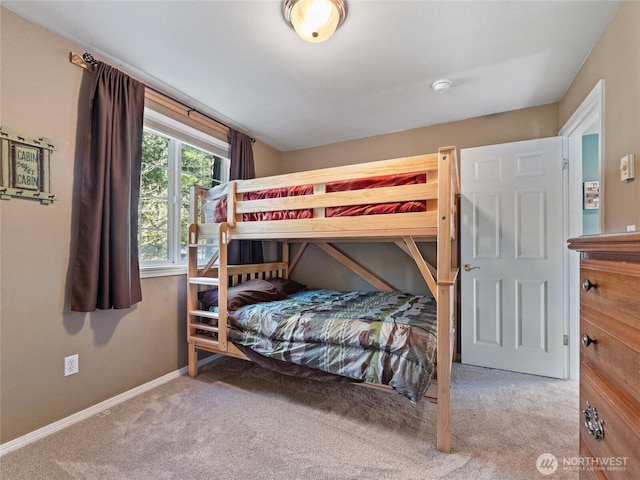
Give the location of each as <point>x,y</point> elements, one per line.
<point>241,63</point>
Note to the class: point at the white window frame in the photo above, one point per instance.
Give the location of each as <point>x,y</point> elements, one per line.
<point>169,127</point>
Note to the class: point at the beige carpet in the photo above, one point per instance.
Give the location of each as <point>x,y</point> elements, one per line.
<point>237,421</point>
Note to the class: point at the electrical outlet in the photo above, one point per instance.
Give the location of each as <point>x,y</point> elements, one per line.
<point>70,365</point>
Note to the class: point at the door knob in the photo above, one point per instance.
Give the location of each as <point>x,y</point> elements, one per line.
<point>468,268</point>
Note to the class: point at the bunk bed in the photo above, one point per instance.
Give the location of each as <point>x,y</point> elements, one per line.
<point>405,201</point>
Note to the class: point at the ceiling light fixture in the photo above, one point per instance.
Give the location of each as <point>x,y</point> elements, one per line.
<point>315,20</point>
<point>441,86</point>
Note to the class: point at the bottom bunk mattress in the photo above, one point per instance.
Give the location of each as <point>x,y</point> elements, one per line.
<point>387,338</point>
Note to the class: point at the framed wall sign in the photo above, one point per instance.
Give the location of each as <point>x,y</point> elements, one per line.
<point>25,167</point>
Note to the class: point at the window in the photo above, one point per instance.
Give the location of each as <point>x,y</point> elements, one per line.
<point>174,156</point>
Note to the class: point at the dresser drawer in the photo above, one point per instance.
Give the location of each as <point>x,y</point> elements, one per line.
<point>615,290</point>
<point>612,348</point>
<point>589,473</point>
<point>621,427</point>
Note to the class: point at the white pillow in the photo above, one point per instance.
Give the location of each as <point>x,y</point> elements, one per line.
<point>211,199</point>
<point>217,192</point>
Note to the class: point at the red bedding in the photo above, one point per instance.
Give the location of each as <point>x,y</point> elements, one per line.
<point>220,211</point>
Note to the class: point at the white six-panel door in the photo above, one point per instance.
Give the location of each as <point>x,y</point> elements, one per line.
<point>511,239</point>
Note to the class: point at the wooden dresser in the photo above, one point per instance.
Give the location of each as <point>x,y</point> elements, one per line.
<point>609,355</point>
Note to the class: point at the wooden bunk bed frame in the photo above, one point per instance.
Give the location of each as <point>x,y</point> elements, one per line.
<point>436,224</point>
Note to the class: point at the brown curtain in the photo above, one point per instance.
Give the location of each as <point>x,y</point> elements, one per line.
<point>242,168</point>
<point>106,271</point>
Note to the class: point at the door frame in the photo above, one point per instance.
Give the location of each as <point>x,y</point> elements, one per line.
<point>588,118</point>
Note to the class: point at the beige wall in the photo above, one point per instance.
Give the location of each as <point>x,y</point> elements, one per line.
<point>42,95</point>
<point>616,59</point>
<point>268,160</point>
<point>537,122</point>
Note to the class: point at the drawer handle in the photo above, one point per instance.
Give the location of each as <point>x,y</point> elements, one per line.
<point>587,285</point>
<point>587,340</point>
<point>594,424</point>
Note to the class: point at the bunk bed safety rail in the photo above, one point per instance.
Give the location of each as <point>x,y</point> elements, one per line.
<point>322,197</point>
<point>339,192</point>
<point>398,166</point>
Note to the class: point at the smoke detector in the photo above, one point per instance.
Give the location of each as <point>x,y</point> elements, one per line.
<point>441,86</point>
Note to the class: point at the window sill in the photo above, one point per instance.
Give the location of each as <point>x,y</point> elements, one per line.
<point>151,271</point>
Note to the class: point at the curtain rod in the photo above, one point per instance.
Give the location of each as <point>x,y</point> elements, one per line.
<point>87,62</point>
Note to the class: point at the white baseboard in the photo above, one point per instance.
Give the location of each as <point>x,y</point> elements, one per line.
<point>88,412</point>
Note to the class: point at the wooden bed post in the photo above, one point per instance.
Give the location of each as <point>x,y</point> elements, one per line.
<point>443,435</point>
<point>446,279</point>
<point>285,257</point>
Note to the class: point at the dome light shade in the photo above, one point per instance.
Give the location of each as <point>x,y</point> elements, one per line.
<point>315,20</point>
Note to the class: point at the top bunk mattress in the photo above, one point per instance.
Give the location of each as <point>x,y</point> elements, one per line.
<point>215,206</point>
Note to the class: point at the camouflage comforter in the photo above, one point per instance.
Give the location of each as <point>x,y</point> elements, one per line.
<point>380,337</point>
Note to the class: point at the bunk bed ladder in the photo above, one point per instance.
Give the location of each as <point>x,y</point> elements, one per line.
<point>206,329</point>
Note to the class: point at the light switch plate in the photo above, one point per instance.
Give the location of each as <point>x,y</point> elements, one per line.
<point>627,167</point>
